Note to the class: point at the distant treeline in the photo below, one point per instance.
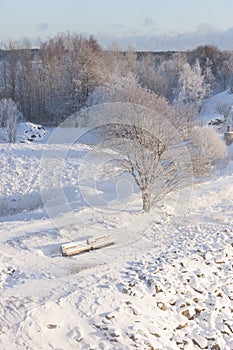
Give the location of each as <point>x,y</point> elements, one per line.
<point>53,81</point>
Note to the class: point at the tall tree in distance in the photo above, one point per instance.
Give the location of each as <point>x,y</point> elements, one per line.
<point>191,91</point>
<point>191,86</point>
<point>9,74</point>
<point>9,117</point>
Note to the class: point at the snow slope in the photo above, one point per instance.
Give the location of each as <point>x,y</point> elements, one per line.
<point>210,109</point>
<point>166,283</point>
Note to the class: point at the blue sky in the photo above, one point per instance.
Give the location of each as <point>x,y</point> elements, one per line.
<point>113,20</point>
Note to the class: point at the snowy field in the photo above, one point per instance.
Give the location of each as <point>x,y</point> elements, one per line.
<point>166,283</point>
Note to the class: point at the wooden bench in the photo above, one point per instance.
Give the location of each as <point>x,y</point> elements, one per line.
<point>73,248</point>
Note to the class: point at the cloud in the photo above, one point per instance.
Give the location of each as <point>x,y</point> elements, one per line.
<point>205,28</point>
<point>118,27</point>
<point>43,27</point>
<point>145,40</point>
<point>148,23</point>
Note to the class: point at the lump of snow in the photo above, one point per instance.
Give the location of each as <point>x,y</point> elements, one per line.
<point>208,256</point>
<point>30,132</point>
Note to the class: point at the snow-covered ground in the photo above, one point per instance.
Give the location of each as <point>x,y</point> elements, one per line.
<point>166,283</point>
<point>214,108</point>
<point>169,286</point>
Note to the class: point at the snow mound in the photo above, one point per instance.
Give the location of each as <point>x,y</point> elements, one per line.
<point>28,132</point>
<point>20,185</point>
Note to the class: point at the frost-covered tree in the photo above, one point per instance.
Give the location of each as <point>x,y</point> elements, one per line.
<point>84,69</point>
<point>147,74</point>
<point>206,148</point>
<point>51,82</point>
<point>143,137</point>
<point>190,93</point>
<point>191,86</point>
<point>9,116</point>
<point>120,62</point>
<point>127,89</point>
<point>168,74</point>
<point>9,70</point>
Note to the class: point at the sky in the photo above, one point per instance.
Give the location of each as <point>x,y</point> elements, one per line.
<point>144,24</point>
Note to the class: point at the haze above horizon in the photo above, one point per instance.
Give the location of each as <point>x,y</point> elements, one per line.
<point>145,25</point>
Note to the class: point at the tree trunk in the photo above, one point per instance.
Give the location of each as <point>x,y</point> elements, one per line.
<point>146,200</point>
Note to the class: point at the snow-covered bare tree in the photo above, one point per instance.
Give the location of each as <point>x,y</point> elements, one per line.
<point>191,86</point>
<point>25,74</point>
<point>168,74</point>
<point>206,148</point>
<point>221,63</point>
<point>147,75</point>
<point>9,116</point>
<point>225,70</point>
<point>84,68</point>
<point>127,89</point>
<point>120,62</point>
<point>190,93</point>
<point>147,144</point>
<point>9,71</point>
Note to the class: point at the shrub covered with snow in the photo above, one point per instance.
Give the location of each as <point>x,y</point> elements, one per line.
<point>206,148</point>
<point>9,117</point>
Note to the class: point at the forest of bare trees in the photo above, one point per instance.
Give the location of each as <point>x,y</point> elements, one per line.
<point>53,81</point>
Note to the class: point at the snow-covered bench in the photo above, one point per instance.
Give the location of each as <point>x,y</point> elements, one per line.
<point>78,247</point>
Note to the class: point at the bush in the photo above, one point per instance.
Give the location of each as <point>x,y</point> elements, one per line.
<point>206,148</point>
<point>9,117</point>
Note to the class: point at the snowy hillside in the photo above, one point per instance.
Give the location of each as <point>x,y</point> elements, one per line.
<point>214,107</point>
<point>166,283</point>
<point>170,288</point>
